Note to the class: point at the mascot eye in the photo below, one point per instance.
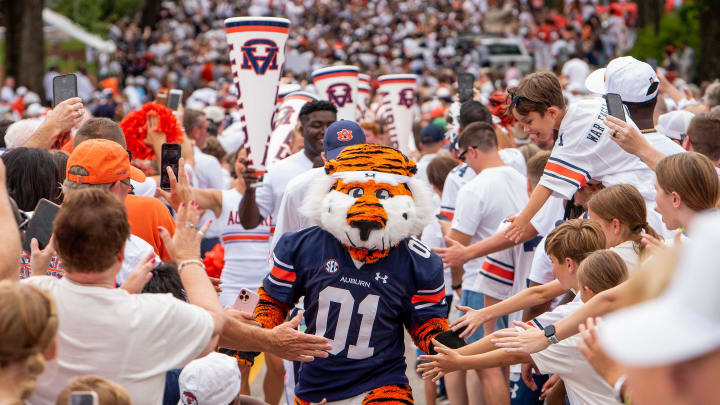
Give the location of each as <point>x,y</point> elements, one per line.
<point>356,192</point>
<point>382,194</point>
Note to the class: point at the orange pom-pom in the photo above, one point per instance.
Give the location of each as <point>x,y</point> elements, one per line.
<point>214,261</point>
<point>134,126</point>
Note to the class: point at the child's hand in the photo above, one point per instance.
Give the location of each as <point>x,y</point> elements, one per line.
<point>473,319</point>
<point>445,361</point>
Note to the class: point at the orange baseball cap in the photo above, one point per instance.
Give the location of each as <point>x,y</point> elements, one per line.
<point>105,161</point>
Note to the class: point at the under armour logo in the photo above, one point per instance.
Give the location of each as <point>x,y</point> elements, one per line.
<point>514,390</point>
<point>407,97</point>
<point>342,96</point>
<point>383,278</point>
<point>344,135</point>
<point>260,64</point>
<point>372,175</point>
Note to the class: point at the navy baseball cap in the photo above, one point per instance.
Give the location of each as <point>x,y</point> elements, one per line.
<point>432,133</point>
<point>341,134</point>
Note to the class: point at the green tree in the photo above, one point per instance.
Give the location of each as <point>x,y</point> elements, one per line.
<point>96,15</point>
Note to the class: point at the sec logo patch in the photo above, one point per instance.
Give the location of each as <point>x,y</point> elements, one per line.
<point>332,266</point>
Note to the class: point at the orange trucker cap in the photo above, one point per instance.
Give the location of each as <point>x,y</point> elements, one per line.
<point>105,161</point>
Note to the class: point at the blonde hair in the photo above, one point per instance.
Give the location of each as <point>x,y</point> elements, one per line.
<point>692,176</point>
<point>602,270</point>
<point>624,203</point>
<point>652,276</point>
<point>576,239</point>
<point>108,392</point>
<point>29,323</point>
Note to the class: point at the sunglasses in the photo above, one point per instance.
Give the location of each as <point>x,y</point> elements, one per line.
<point>461,156</point>
<point>515,100</point>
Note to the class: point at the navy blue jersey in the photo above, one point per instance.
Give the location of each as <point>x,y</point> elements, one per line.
<point>362,310</point>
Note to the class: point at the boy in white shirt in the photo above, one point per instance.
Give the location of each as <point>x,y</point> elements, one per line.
<point>583,148</point>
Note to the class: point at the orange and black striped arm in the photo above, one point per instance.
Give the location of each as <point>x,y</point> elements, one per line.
<point>423,333</point>
<point>270,312</point>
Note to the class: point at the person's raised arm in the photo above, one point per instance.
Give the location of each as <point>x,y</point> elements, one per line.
<point>249,211</point>
<point>284,340</point>
<point>633,142</point>
<point>533,340</point>
<point>474,318</point>
<point>10,248</point>
<point>447,360</point>
<point>456,254</point>
<point>181,192</point>
<point>59,120</point>
<point>184,249</point>
<point>521,226</point>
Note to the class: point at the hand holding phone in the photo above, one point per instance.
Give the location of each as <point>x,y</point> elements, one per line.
<point>246,300</point>
<point>41,224</point>
<point>64,87</point>
<point>615,106</point>
<point>174,99</point>
<point>171,153</point>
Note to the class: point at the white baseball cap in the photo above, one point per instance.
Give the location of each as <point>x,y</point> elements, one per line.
<point>674,124</point>
<point>213,379</point>
<point>633,80</point>
<point>684,321</point>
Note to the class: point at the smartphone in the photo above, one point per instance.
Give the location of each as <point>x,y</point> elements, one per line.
<point>246,300</point>
<point>84,398</point>
<point>64,87</point>
<point>615,105</point>
<point>41,224</point>
<point>171,153</point>
<point>465,86</point>
<point>174,99</point>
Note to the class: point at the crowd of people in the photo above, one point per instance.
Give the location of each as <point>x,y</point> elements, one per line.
<point>570,233</point>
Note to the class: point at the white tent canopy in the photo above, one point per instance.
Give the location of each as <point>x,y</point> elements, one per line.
<point>67,26</point>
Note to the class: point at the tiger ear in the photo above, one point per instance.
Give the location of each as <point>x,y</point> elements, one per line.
<point>331,166</point>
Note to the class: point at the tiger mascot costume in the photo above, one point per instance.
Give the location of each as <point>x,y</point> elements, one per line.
<point>363,277</point>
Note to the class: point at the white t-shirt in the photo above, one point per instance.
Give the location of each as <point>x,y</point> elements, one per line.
<point>626,251</point>
<point>131,339</point>
<point>664,144</point>
<point>432,237</point>
<point>422,165</point>
<point>246,251</point>
<point>458,177</point>
<point>504,273</point>
<point>584,386</point>
<point>207,170</point>
<point>584,150</point>
<point>269,194</point>
<point>541,268</point>
<point>289,218</point>
<point>482,204</point>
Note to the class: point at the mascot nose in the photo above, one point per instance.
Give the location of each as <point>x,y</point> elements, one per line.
<point>365,227</point>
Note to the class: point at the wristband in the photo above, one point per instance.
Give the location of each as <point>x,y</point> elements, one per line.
<point>187,262</point>
<point>457,286</point>
<point>617,389</point>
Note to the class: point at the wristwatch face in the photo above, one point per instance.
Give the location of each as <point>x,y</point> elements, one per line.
<point>549,330</point>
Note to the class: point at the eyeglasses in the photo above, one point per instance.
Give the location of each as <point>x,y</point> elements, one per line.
<point>461,156</point>
<point>129,185</point>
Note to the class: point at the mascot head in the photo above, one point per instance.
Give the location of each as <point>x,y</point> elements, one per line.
<point>369,201</point>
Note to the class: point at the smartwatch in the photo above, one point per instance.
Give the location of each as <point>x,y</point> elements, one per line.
<point>550,334</point>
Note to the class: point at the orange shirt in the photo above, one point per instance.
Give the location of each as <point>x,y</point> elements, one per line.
<point>145,214</point>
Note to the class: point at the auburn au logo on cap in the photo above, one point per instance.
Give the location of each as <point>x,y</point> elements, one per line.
<point>345,135</point>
